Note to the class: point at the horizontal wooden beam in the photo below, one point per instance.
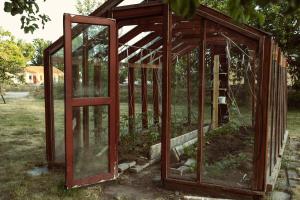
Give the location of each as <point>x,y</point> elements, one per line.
<point>143,65</point>
<point>137,11</point>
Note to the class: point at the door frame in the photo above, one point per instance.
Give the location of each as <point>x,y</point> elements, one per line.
<point>112,100</point>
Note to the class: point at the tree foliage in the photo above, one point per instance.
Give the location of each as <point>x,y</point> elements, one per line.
<point>39,45</point>
<point>27,49</point>
<point>12,59</point>
<point>240,10</point>
<point>286,30</point>
<point>31,18</point>
<point>85,7</point>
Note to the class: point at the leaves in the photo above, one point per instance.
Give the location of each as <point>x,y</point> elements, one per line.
<point>85,7</point>
<point>186,8</point>
<point>12,59</point>
<point>240,10</point>
<point>39,46</point>
<point>28,9</point>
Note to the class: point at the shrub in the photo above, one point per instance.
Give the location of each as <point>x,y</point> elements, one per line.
<point>294,99</point>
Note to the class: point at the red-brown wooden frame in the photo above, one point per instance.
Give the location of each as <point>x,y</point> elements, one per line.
<point>111,101</point>
<point>154,16</point>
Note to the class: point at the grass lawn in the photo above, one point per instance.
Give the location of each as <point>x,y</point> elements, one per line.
<point>22,147</point>
<point>293,122</point>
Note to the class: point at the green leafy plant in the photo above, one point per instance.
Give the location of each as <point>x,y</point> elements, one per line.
<point>232,162</point>
<point>29,11</point>
<point>232,127</point>
<point>154,137</point>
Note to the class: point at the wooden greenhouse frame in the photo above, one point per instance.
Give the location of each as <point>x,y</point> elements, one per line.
<point>174,36</point>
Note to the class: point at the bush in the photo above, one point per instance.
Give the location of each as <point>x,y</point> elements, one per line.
<point>294,99</point>
<point>58,90</point>
<point>38,92</point>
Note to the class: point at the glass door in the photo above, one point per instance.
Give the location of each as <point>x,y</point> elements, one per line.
<point>91,100</point>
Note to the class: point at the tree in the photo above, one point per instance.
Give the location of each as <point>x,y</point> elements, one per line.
<point>240,10</point>
<point>85,7</point>
<point>12,60</point>
<point>29,12</point>
<point>39,45</point>
<point>27,49</point>
<point>286,30</point>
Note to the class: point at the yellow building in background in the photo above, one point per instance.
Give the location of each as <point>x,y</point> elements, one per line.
<point>35,75</point>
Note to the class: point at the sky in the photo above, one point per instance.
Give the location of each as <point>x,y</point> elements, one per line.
<point>53,29</point>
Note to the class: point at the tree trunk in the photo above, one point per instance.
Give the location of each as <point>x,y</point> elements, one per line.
<point>3,99</point>
<point>2,95</point>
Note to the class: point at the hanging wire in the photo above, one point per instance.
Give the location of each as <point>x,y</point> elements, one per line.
<point>228,38</point>
<point>228,41</point>
<point>231,93</point>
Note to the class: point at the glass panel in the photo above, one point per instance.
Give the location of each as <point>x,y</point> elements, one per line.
<point>58,68</point>
<point>90,140</point>
<point>90,61</point>
<point>123,93</point>
<point>229,140</point>
<point>138,100</point>
<point>184,115</point>
<point>139,145</point>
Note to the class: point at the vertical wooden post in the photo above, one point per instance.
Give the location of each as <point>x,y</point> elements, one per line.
<point>144,99</point>
<point>201,97</point>
<point>272,97</point>
<point>49,115</point>
<point>216,86</point>
<point>277,130</point>
<point>131,104</point>
<point>261,133</point>
<point>155,96</point>
<point>166,91</point>
<point>85,89</point>
<point>279,102</point>
<point>189,101</point>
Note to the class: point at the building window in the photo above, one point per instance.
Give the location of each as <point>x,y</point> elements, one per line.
<point>30,77</point>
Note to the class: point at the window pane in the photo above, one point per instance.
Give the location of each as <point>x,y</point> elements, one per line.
<point>90,141</point>
<point>58,68</point>
<point>230,93</point>
<point>90,59</point>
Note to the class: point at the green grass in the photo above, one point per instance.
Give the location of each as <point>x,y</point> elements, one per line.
<point>293,122</point>
<point>22,147</point>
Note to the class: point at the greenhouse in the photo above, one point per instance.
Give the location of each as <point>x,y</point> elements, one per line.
<point>205,98</point>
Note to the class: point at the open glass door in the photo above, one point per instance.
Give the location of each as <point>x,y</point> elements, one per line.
<point>91,100</point>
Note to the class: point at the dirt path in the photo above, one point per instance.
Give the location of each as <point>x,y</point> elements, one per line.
<point>144,185</point>
<point>16,95</point>
<point>288,182</point>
